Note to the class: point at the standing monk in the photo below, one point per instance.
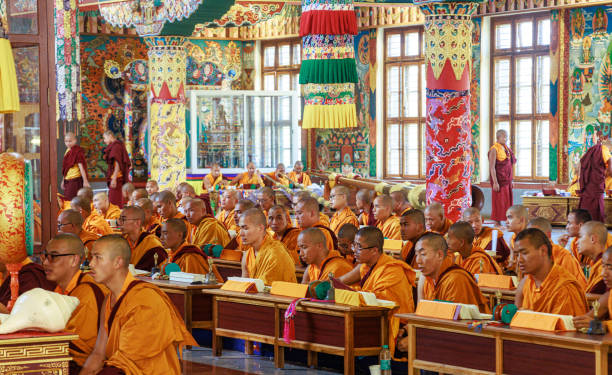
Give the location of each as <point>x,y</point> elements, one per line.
<point>593,166</point>
<point>435,220</point>
<point>248,178</point>
<point>385,220</point>
<point>74,167</point>
<point>298,175</point>
<point>118,162</point>
<point>320,260</point>
<point>143,245</point>
<point>142,332</point>
<point>205,229</point>
<point>343,215</point>
<point>213,180</point>
<point>283,231</point>
<point>501,161</point>
<point>226,214</point>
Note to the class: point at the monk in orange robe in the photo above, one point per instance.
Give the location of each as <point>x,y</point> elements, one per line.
<point>475,260</point>
<point>378,273</point>
<point>298,176</point>
<point>266,198</point>
<point>205,229</point>
<point>501,165</point>
<point>139,193</point>
<point>152,220</point>
<point>74,167</point>
<point>363,201</point>
<point>605,302</point>
<point>104,208</point>
<point>71,221</point>
<point>575,219</point>
<point>61,262</point>
<point>346,237</point>
<point>385,220</point>
<point>320,260</point>
<point>165,203</point>
<point>241,207</point>
<point>248,178</point>
<point>435,220</point>
<point>283,231</point>
<point>213,180</point>
<point>560,256</point>
<point>547,288</point>
<point>265,259</point>
<point>343,215</point>
<point>92,222</point>
<point>592,244</point>
<point>307,215</point>
<point>143,245</point>
<point>226,214</point>
<point>483,238</point>
<point>400,202</point>
<point>517,218</point>
<point>412,227</point>
<point>142,332</point>
<point>279,175</point>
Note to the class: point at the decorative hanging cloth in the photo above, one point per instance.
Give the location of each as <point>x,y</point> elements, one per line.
<point>9,92</point>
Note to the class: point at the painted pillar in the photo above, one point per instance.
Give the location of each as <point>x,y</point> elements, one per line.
<point>168,138</point>
<point>448,56</point>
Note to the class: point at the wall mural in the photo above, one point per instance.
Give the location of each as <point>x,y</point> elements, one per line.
<point>475,101</point>
<point>214,63</point>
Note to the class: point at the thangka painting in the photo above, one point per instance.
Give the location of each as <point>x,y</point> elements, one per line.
<point>355,147</point>
<point>590,80</point>
<point>216,63</point>
<point>475,100</point>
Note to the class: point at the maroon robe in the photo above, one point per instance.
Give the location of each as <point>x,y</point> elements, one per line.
<point>31,276</point>
<point>502,200</point>
<point>73,157</point>
<point>147,261</point>
<point>593,183</point>
<point>116,152</point>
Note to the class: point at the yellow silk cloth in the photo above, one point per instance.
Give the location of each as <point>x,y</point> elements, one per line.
<point>209,231</point>
<point>139,250</point>
<point>473,263</point>
<point>559,293</point>
<point>9,91</point>
<point>341,217</point>
<point>227,218</point>
<point>271,263</point>
<point>334,262</point>
<point>295,178</point>
<point>390,227</point>
<point>73,173</point>
<point>329,116</point>
<point>96,224</point>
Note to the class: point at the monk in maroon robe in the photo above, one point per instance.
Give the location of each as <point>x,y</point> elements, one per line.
<point>118,162</point>
<point>74,167</point>
<point>593,165</point>
<point>501,161</point>
<point>31,275</point>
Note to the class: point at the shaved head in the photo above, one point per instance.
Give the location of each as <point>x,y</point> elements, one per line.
<point>436,241</point>
<point>102,196</point>
<point>245,205</point>
<point>597,229</point>
<point>67,241</point>
<point>315,236</point>
<point>176,225</point>
<point>470,211</point>
<point>72,216</point>
<point>536,238</point>
<point>341,189</point>
<point>165,196</point>
<point>135,212</point>
<point>373,237</point>
<point>145,204</point>
<point>267,192</point>
<point>415,215</point>
<point>385,200</point>
<point>463,231</point>
<point>139,194</point>
<point>128,188</point>
<point>309,204</point>
<point>542,224</point>
<point>254,216</point>
<point>400,196</point>
<point>81,203</point>
<point>365,196</point>
<point>86,192</point>
<point>581,215</point>
<point>116,246</point>
<point>519,211</point>
<point>347,231</point>
<point>435,208</point>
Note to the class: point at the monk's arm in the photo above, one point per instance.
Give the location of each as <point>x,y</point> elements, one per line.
<point>492,171</point>
<point>245,273</point>
<point>83,175</point>
<point>306,277</point>
<point>518,300</point>
<point>352,277</point>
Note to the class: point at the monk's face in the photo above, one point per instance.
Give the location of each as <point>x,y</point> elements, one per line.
<point>228,201</point>
<point>65,226</point>
<point>454,243</point>
<point>277,220</point>
<point>298,168</point>
<point>305,217</point>
<point>475,220</point>
<point>338,199</point>
<point>238,210</point>
<point>107,139</point>
<point>398,201</point>
<point>129,222</point>
<point>251,232</point>
<point>70,140</point>
<point>381,210</point>
<point>308,250</point>
<point>514,223</point>
<point>364,251</point>
<point>280,169</point>
<point>166,210</point>
<point>573,225</point>
<point>100,203</point>
<point>428,258</point>
<point>104,263</point>
<point>60,262</point>
<point>606,269</point>
<point>361,204</point>
<point>345,245</point>
<point>433,220</point>
<point>170,237</point>
<point>136,195</point>
<point>265,201</point>
<point>215,171</point>
<point>502,137</point>
<point>410,229</point>
<point>529,257</point>
<point>194,212</point>
<point>587,243</point>
<point>152,187</point>
<point>250,169</point>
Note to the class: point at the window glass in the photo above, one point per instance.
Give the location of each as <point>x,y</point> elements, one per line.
<point>524,34</point>
<point>394,45</point>
<point>503,36</point>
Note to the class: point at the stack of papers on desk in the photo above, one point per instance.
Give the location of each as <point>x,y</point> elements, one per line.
<point>259,284</point>
<point>185,277</point>
<point>450,310</point>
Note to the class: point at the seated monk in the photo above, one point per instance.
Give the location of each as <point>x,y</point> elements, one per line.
<point>205,229</point>
<point>143,245</point>
<point>400,202</point>
<point>592,244</point>
<point>517,218</point>
<point>62,259</point>
<point>483,238</point>
<point>547,287</point>
<point>87,194</point>
<point>31,275</point>
<point>446,281</point>
<point>126,191</point>
<point>241,207</point>
<point>152,187</point>
<point>266,198</point>
<point>435,220</point>
<point>385,220</point>
<point>152,222</point>
<point>307,215</point>
<point>575,219</point>
<point>279,175</point>
<point>213,180</point>
<point>298,176</point>
<point>92,222</point>
<point>141,332</point>
<point>265,258</point>
<point>186,190</point>
<point>190,258</point>
<point>304,194</point>
<point>138,194</point>
<point>475,260</point>
<point>165,204</point>
<point>248,178</point>
<point>605,303</point>
<point>283,231</point>
<point>412,227</point>
<point>228,201</point>
<point>378,273</point>
<point>105,208</point>
<point>320,260</point>
<point>343,215</point>
<point>363,202</point>
<point>346,237</point>
<point>560,256</point>
<point>71,221</point>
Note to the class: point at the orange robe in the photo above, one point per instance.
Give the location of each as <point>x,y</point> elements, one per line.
<point>227,218</point>
<point>214,182</point>
<point>144,250</point>
<point>390,228</point>
<point>559,293</point>
<point>303,178</point>
<point>565,260</point>
<point>408,251</point>
<point>608,183</point>
<point>330,237</point>
<point>236,243</point>
<point>486,236</point>
<point>585,261</point>
<point>271,263</point>
<point>595,283</point>
<point>88,239</point>
<point>445,227</point>
<point>289,239</point>
<point>334,263</point>
<point>282,180</point>
<point>112,213</point>
<point>177,216</point>
<point>145,332</point>
<point>324,219</point>
<point>479,257</point>
<point>153,225</point>
<point>364,218</point>
<point>96,224</point>
<point>209,231</point>
<point>190,258</point>
<point>84,319</point>
<point>246,180</point>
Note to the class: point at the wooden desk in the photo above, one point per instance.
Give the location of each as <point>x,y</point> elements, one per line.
<point>228,268</point>
<point>509,295</point>
<point>195,307</point>
<point>451,347</point>
<point>35,353</point>
<point>319,327</point>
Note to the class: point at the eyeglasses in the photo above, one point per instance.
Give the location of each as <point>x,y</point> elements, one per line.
<point>60,225</point>
<point>52,257</point>
<point>356,247</point>
<point>123,219</point>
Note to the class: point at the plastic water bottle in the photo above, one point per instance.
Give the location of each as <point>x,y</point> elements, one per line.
<point>385,360</point>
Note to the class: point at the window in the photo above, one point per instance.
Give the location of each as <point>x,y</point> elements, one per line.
<point>405,110</point>
<point>521,93</point>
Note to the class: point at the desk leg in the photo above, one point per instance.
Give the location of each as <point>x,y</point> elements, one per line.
<point>188,310</point>
<point>412,350</point>
<point>313,359</point>
<point>499,355</point>
<point>217,341</point>
<point>248,347</point>
<point>279,356</point>
<point>349,353</point>
<point>601,360</point>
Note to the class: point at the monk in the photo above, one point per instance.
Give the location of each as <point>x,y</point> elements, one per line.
<point>385,220</point>
<point>297,175</point>
<point>320,260</point>
<point>363,201</point>
<point>205,229</point>
<point>547,288</point>
<point>152,221</point>
<point>449,282</point>
<point>118,162</point>
<point>71,221</point>
<point>279,175</point>
<point>343,215</point>
<point>86,192</point>
<point>92,222</point>
<point>228,201</point>
<point>62,259</point>
<point>305,194</point>
<point>346,237</point>
<point>475,260</point>
<point>483,238</point>
<point>605,303</point>
<point>575,219</point>
<point>165,203</point>
<point>560,256</point>
<point>266,198</point>
<point>283,231</point>
<point>517,218</point>
<point>190,258</point>
<point>138,194</point>
<point>248,178</point>
<point>104,208</point>
<point>593,166</point>
<point>435,220</point>
<point>592,244</point>
<point>142,332</point>
<point>152,187</point>
<point>242,206</point>
<point>307,215</point>
<point>378,273</point>
<point>213,180</point>
<point>265,258</point>
<point>412,227</point>
<point>501,161</point>
<point>126,192</point>
<point>74,167</point>
<point>143,245</point>
<point>400,202</point>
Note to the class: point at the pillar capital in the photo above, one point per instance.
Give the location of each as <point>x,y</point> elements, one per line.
<point>167,67</point>
<point>458,9</point>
